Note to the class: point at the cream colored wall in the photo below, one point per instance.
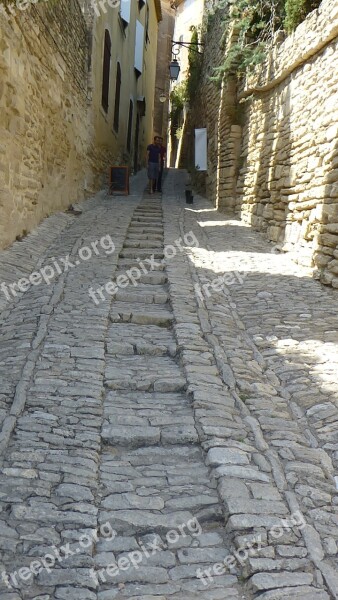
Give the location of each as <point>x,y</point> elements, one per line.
<point>111,143</point>
<point>146,84</point>
<point>44,137</point>
<point>189,13</point>
<point>55,140</point>
<point>165,36</point>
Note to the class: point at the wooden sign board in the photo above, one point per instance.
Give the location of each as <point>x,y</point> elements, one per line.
<point>119,181</point>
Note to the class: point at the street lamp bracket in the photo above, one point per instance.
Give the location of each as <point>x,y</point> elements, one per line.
<point>194,46</point>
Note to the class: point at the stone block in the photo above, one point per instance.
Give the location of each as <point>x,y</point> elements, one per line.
<point>266,581</point>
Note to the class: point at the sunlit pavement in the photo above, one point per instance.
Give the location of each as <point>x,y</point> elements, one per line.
<point>168,409</point>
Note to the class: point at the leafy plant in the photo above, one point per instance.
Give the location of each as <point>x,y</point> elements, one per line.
<point>252,25</point>
<point>195,65</point>
<point>296,11</point>
<point>178,97</point>
<point>179,132</point>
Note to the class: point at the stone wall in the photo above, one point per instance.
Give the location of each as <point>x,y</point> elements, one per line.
<point>216,108</point>
<point>288,184</point>
<point>44,135</point>
<point>162,86</point>
<point>277,137</point>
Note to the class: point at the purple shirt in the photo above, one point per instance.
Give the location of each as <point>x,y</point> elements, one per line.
<point>154,153</point>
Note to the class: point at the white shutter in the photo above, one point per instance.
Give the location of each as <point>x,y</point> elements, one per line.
<point>139,45</point>
<point>125,8</point>
<point>201,143</point>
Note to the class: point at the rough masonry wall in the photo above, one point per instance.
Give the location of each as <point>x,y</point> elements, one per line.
<point>162,85</point>
<point>216,109</point>
<point>288,185</point>
<point>44,135</point>
<point>273,143</point>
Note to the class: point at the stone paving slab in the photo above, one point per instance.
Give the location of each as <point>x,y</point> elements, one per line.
<point>216,409</point>
<point>136,312</point>
<point>244,306</point>
<point>80,458</point>
<point>126,338</point>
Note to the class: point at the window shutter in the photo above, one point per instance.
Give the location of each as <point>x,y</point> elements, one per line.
<point>125,8</point>
<point>139,45</point>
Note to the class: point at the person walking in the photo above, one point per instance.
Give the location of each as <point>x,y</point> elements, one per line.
<point>153,160</point>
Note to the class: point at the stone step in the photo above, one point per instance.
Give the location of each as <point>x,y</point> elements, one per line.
<point>129,338</point>
<point>149,294</point>
<point>145,478</point>
<point>151,278</point>
<point>148,216</point>
<point>145,373</point>
<point>144,236</point>
<point>141,253</point>
<point>144,228</point>
<point>142,314</point>
<point>128,263</point>
<point>137,243</point>
<point>152,211</point>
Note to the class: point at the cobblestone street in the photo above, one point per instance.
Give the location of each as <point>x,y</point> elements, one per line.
<point>168,410</point>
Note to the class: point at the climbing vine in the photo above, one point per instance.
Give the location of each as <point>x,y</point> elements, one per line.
<point>195,65</point>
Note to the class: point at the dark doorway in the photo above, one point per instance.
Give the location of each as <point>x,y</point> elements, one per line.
<point>137,136</point>
<point>130,125</point>
<point>106,70</point>
<point>117,98</point>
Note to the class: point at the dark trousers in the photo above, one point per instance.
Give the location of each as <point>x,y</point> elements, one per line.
<point>158,184</point>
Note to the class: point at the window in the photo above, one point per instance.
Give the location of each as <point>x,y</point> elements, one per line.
<point>106,70</point>
<point>125,8</point>
<point>130,124</point>
<point>139,44</point>
<point>117,98</point>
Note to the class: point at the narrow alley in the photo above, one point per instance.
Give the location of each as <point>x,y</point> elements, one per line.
<point>172,435</point>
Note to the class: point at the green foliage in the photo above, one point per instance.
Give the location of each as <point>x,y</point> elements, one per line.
<point>178,98</point>
<point>179,132</point>
<point>179,95</point>
<point>296,11</point>
<point>254,23</point>
<point>195,66</point>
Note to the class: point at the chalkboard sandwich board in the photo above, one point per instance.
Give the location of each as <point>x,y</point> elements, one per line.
<point>119,181</point>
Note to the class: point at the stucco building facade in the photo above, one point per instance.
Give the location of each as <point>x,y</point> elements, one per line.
<point>125,38</point>
<point>162,86</point>
<point>77,87</point>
